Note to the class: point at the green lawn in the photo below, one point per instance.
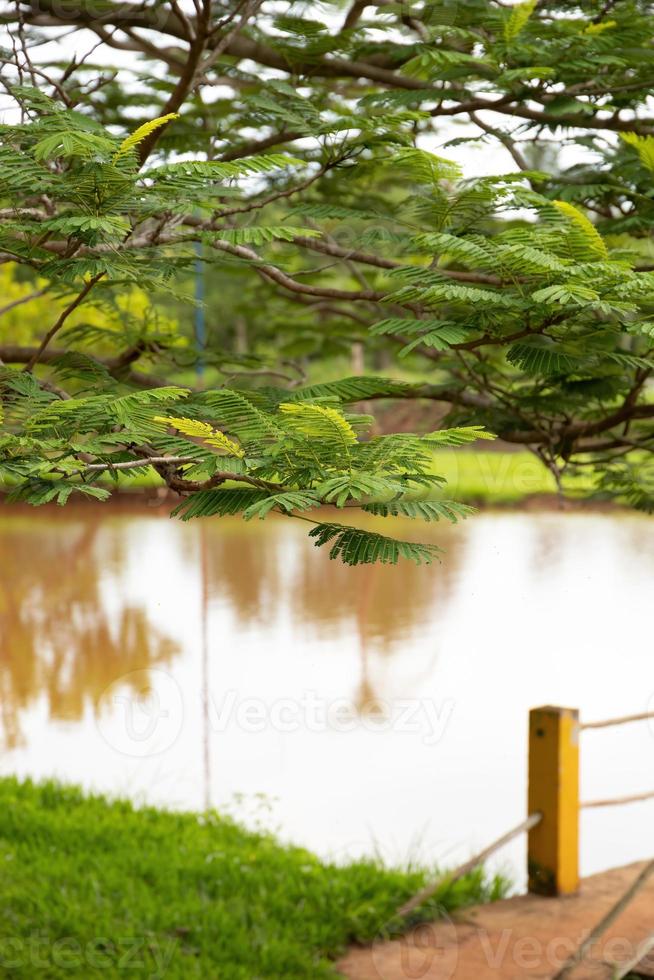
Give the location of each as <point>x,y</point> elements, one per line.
<point>91,888</point>
<point>492,477</point>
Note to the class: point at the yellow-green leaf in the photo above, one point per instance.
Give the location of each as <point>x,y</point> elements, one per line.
<point>585,231</point>
<point>133,140</point>
<point>644,146</point>
<point>202,430</point>
<point>518,19</point>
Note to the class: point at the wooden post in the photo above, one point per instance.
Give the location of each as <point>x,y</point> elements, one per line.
<point>553,848</point>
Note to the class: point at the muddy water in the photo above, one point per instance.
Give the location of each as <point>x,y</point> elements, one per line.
<point>351,710</point>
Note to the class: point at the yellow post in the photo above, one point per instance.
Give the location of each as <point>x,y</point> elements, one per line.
<point>553,848</point>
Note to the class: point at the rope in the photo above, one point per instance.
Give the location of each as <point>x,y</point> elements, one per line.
<point>643,949</point>
<point>468,866</point>
<point>605,922</point>
<point>618,800</point>
<point>645,716</point>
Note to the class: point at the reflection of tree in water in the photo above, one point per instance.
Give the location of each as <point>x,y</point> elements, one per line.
<point>266,570</point>
<point>366,700</point>
<point>368,601</point>
<point>57,638</point>
<point>243,565</point>
<point>382,603</point>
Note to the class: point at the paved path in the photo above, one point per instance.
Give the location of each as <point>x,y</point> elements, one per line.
<point>522,938</point>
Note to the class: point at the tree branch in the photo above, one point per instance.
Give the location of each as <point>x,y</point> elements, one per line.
<point>81,296</point>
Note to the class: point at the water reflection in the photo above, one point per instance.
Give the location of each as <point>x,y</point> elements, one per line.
<point>263,573</point>
<point>255,569</point>
<point>525,609</point>
<point>68,629</point>
<point>60,640</point>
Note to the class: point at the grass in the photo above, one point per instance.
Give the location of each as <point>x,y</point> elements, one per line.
<point>492,477</point>
<point>92,887</point>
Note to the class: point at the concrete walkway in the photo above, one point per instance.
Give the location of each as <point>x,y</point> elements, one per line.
<point>522,938</point>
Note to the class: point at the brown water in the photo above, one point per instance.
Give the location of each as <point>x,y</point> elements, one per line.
<point>351,710</point>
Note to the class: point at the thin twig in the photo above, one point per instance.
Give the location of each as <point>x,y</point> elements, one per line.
<point>23,299</point>
<point>62,319</point>
<point>134,463</point>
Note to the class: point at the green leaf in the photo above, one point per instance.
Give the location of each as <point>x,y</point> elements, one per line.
<point>257,235</point>
<point>458,436</point>
<point>644,146</point>
<point>584,238</point>
<point>541,356</point>
<point>355,546</point>
<point>210,503</point>
<point>288,501</point>
<point>72,143</point>
<point>518,19</point>
<point>425,510</point>
<point>425,167</point>
<point>358,388</point>
<point>319,422</point>
<point>565,294</point>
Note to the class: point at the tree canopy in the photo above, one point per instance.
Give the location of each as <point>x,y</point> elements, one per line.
<point>302,153</point>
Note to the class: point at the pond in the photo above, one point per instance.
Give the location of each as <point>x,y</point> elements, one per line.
<point>355,711</point>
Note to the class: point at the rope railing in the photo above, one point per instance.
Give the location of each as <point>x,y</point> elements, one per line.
<point>605,922</point>
<point>553,827</point>
<point>625,969</point>
<point>618,800</point>
<point>553,806</point>
<point>609,723</point>
<point>553,854</point>
<point>452,876</point>
<point>624,720</point>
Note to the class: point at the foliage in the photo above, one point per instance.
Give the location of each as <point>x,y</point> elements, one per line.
<point>152,893</point>
<point>328,214</point>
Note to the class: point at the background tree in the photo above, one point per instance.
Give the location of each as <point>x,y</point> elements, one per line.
<point>296,155</point>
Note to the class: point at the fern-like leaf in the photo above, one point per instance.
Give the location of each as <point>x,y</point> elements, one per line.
<point>202,430</point>
<point>518,19</point>
<point>586,242</point>
<point>319,422</point>
<point>643,145</point>
<point>425,510</point>
<point>355,546</point>
<point>458,436</point>
<point>223,503</point>
<point>136,138</point>
<point>287,502</point>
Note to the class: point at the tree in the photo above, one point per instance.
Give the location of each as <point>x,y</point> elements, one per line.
<point>297,158</point>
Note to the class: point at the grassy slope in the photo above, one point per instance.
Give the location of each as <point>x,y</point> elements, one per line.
<point>97,888</point>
